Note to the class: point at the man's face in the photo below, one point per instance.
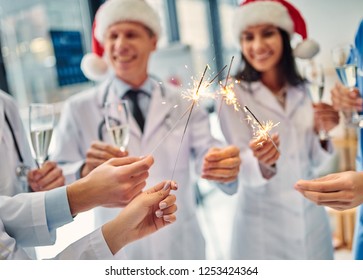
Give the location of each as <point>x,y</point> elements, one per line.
<point>128,46</point>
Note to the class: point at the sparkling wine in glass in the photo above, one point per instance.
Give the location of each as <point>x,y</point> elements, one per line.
<point>41,124</point>
<point>345,60</point>
<point>117,116</point>
<point>314,76</point>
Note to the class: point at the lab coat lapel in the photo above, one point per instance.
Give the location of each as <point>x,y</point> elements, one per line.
<point>2,119</point>
<point>265,98</point>
<point>159,108</point>
<point>294,98</point>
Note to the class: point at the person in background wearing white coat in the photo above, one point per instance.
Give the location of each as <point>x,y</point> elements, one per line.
<point>272,220</point>
<point>348,99</point>
<point>28,220</point>
<point>18,172</point>
<point>125,34</point>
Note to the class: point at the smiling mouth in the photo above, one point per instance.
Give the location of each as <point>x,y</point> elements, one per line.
<point>125,59</point>
<point>262,57</point>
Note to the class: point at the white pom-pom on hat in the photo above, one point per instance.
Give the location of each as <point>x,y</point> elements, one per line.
<point>279,13</point>
<point>94,65</point>
<point>306,49</point>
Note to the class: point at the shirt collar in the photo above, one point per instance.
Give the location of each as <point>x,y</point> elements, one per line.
<point>120,87</point>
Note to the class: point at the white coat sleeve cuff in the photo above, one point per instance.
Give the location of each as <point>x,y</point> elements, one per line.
<point>57,208</point>
<point>228,188</point>
<point>98,248</point>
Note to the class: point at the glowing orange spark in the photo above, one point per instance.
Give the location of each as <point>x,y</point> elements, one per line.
<point>194,94</point>
<point>229,96</point>
<point>260,130</point>
<point>261,134</point>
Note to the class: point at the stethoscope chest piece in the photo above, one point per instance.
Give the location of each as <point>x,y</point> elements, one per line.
<point>22,171</point>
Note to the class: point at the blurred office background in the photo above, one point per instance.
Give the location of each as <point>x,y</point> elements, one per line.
<point>42,43</point>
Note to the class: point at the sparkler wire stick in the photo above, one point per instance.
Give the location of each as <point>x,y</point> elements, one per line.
<point>260,124</point>
<point>216,76</point>
<point>171,130</point>
<point>229,72</point>
<point>185,128</point>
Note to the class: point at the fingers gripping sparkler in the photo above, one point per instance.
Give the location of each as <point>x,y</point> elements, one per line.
<point>263,131</point>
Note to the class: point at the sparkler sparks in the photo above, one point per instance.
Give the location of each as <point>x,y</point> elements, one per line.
<point>195,94</point>
<point>195,98</point>
<point>227,92</point>
<point>261,130</point>
<point>229,96</point>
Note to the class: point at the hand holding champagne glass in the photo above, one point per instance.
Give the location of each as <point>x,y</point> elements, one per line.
<point>117,115</point>
<point>345,62</point>
<point>314,75</point>
<point>41,124</point>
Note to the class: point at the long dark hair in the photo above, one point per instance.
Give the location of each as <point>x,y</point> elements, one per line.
<point>287,66</point>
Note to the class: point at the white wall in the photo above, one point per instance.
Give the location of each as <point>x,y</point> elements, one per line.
<point>330,22</point>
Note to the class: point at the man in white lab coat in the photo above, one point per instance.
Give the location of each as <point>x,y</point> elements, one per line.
<point>125,35</point>
<point>26,219</point>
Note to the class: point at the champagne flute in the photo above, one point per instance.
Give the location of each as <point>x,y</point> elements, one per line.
<point>117,116</point>
<point>314,76</point>
<point>41,124</point>
<point>345,61</point>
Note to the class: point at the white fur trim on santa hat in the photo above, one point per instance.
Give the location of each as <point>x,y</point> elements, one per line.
<point>306,49</point>
<point>113,11</point>
<point>262,12</point>
<point>94,67</point>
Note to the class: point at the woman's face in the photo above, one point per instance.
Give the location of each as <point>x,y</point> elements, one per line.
<point>262,46</point>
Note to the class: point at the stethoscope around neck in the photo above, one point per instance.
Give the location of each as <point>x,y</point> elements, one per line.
<point>104,100</point>
<point>22,169</point>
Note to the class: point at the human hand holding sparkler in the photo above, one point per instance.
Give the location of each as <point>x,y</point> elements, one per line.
<point>145,214</point>
<point>264,147</point>
<point>265,150</point>
<point>260,130</point>
<point>222,164</point>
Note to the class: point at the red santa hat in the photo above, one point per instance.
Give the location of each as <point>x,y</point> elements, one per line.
<point>94,65</point>
<point>279,13</point>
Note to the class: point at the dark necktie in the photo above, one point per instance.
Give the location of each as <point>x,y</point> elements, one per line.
<point>132,95</point>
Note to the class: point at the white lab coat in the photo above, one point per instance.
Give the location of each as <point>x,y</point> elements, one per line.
<point>23,223</point>
<point>273,220</point>
<point>78,127</point>
<point>10,183</point>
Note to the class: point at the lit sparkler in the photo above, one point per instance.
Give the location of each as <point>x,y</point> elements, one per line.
<point>227,92</point>
<point>194,96</point>
<point>261,130</point>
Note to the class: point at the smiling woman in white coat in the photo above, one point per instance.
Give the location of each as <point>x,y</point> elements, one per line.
<point>272,220</point>
<point>126,33</point>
